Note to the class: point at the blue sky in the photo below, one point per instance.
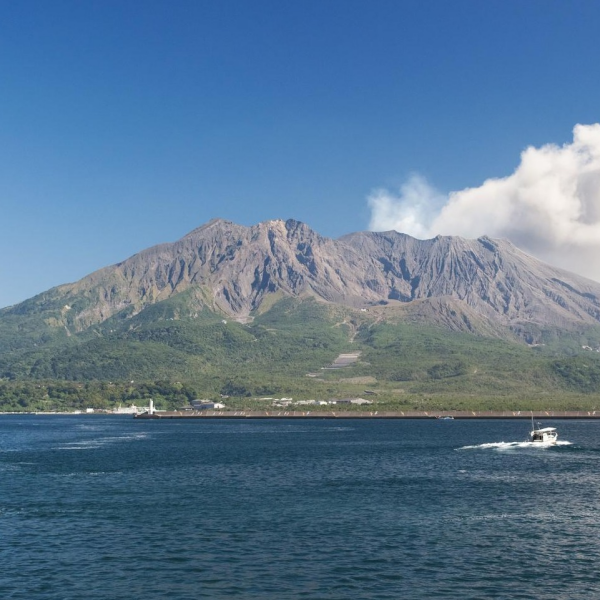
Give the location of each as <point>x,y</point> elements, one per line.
<point>124,124</point>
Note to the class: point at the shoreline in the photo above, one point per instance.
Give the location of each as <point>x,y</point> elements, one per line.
<point>441,415</point>
<point>332,414</point>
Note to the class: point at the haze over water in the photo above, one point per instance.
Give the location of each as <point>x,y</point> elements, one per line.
<point>107,507</point>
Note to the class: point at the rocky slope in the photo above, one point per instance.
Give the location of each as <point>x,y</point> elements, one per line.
<point>481,284</point>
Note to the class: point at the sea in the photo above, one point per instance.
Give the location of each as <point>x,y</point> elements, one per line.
<point>107,507</point>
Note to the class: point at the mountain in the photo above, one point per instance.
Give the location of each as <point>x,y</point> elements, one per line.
<point>480,285</point>
<point>251,311</point>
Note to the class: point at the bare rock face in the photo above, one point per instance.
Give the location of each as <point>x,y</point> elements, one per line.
<point>233,269</point>
<point>492,276</point>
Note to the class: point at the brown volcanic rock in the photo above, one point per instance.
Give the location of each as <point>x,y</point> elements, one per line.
<point>492,276</point>
<point>481,285</point>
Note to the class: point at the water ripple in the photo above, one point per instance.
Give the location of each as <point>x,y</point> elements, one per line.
<point>371,510</point>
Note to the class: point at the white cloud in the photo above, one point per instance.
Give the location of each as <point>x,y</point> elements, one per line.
<point>410,212</point>
<point>549,207</point>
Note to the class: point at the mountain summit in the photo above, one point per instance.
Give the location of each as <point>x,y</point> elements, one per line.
<point>482,284</point>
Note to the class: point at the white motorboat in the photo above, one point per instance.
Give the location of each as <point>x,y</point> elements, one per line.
<point>542,435</point>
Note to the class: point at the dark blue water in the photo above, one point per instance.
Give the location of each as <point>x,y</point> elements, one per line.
<point>96,507</point>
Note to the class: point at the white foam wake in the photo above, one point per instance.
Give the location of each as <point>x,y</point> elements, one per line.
<point>513,445</point>
<point>99,442</point>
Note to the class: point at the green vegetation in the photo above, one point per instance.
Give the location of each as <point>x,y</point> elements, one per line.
<point>172,354</point>
<point>59,396</point>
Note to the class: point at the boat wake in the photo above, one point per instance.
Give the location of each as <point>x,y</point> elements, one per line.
<point>93,443</point>
<point>514,445</point>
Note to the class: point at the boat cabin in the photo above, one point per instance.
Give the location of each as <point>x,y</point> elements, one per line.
<point>547,435</point>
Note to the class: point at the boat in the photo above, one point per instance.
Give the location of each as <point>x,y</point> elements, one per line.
<point>542,435</point>
<point>446,418</point>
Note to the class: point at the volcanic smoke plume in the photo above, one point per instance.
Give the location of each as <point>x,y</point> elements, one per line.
<point>549,207</point>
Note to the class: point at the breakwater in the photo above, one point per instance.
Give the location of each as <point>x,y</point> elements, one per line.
<point>377,414</point>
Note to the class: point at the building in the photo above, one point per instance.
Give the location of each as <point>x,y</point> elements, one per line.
<point>206,405</point>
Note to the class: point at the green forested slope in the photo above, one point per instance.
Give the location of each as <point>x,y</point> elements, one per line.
<point>172,354</point>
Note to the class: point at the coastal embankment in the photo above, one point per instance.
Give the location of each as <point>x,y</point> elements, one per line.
<point>334,414</point>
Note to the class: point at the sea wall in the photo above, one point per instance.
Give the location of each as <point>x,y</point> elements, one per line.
<point>335,414</point>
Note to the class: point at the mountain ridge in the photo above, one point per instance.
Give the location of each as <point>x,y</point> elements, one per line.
<point>232,269</point>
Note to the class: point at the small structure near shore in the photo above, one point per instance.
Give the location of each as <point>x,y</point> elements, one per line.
<point>206,405</point>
